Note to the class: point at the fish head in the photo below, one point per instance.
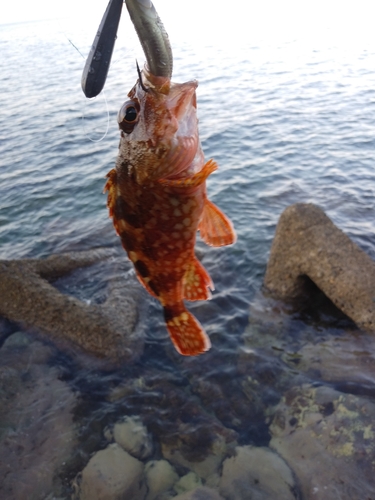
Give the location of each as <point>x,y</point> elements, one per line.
<point>159,128</point>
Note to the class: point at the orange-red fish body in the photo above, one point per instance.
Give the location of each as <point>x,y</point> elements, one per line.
<point>157,199</point>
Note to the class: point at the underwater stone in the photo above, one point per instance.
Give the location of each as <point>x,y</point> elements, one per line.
<point>328,440</point>
<point>200,493</point>
<point>208,464</point>
<point>347,360</point>
<point>112,474</point>
<point>105,330</point>
<point>188,442</point>
<point>37,429</point>
<point>188,482</point>
<point>256,473</point>
<point>133,437</point>
<point>307,243</point>
<point>18,340</point>
<point>160,477</point>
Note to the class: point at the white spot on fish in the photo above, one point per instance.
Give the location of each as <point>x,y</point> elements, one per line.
<point>174,202</point>
<point>133,256</point>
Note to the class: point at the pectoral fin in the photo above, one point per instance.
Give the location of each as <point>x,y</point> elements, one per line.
<point>110,186</point>
<point>215,228</point>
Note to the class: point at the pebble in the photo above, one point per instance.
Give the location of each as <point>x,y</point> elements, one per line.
<point>200,493</point>
<point>111,474</point>
<point>187,482</point>
<point>160,477</point>
<point>133,437</point>
<point>256,473</point>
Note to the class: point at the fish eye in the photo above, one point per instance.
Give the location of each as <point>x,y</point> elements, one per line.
<point>128,116</point>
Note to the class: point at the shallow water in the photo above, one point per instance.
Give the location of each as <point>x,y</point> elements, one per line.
<point>292,122</point>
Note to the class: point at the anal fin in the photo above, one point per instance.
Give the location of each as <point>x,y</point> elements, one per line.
<point>196,282</point>
<point>215,228</point>
<point>185,331</point>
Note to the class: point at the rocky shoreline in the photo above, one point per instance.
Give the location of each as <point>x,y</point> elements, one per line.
<point>28,297</point>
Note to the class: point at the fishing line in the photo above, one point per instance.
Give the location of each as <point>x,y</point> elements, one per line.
<point>87,101</point>
<point>77,49</point>
<point>107,126</point>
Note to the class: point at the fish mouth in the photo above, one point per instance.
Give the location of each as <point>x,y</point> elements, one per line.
<point>184,146</point>
<point>182,99</point>
<point>153,37</point>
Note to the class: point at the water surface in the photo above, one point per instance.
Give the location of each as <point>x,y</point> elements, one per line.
<point>287,122</point>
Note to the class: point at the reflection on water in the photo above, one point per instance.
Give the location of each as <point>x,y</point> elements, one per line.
<point>286,125</point>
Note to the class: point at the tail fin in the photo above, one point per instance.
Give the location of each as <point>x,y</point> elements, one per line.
<point>186,333</point>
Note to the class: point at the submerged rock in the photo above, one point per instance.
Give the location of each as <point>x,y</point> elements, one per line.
<point>133,437</point>
<point>189,435</point>
<point>346,360</point>
<point>205,466</point>
<point>307,243</point>
<point>256,473</point>
<point>105,330</point>
<point>328,440</point>
<point>160,477</point>
<point>37,432</point>
<point>235,404</point>
<point>200,493</point>
<point>111,474</point>
<point>187,483</point>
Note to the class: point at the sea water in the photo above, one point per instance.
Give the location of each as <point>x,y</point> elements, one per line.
<point>288,120</point>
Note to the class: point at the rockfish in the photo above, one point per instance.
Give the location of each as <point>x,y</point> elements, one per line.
<point>157,191</point>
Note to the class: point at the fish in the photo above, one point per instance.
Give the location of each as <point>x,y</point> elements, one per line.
<point>157,195</point>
